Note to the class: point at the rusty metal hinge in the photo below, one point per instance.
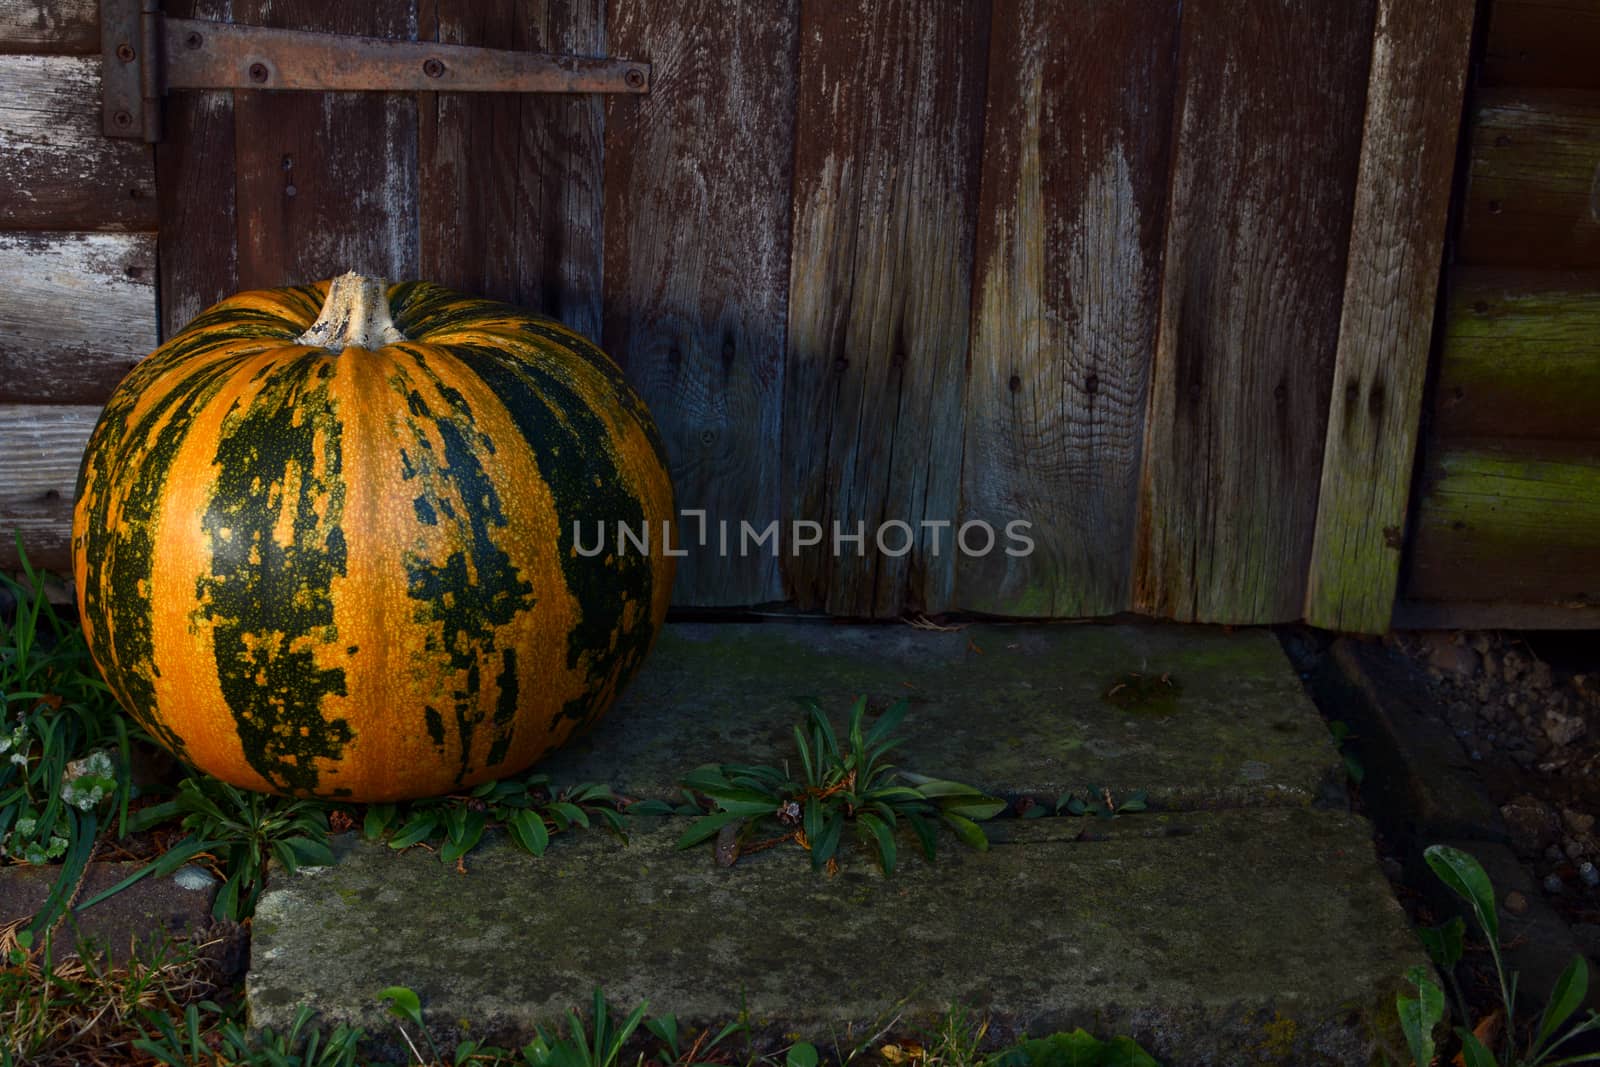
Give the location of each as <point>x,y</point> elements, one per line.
<point>146,54</point>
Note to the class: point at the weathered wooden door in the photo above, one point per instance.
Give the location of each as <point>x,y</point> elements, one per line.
<point>1153,279</point>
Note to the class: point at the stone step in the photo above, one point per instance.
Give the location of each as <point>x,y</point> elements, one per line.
<point>1013,709</point>
<point>1260,935</point>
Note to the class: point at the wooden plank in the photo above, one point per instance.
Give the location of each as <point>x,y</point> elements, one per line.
<point>42,447</point>
<point>59,171</point>
<point>511,185</point>
<point>1521,356</point>
<point>1494,615</point>
<point>1510,520</point>
<point>1408,152</point>
<point>1269,131</point>
<point>327,182</point>
<point>887,139</point>
<point>50,27</point>
<point>1069,268</point>
<point>1543,44</point>
<point>77,311</point>
<point>697,193</point>
<point>196,182</point>
<point>1533,190</point>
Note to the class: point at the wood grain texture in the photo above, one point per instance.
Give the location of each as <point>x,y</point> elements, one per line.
<point>327,182</point>
<point>56,167</point>
<point>50,27</point>
<point>1508,520</point>
<point>1521,356</point>
<point>196,181</point>
<point>1408,152</point>
<point>77,311</point>
<point>888,133</point>
<point>1543,43</point>
<point>697,191</point>
<point>1269,119</point>
<point>1533,187</point>
<point>511,184</point>
<point>1075,167</point>
<point>1493,615</point>
<point>41,446</point>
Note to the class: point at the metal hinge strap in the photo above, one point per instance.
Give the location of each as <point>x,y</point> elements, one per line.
<point>147,55</point>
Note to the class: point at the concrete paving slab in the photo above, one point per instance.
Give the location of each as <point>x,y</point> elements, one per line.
<point>1015,709</point>
<point>1257,936</point>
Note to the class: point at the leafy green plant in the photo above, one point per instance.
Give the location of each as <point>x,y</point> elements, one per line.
<point>598,1045</point>
<point>1096,800</point>
<point>530,810</point>
<point>675,1051</point>
<point>64,746</point>
<point>844,782</point>
<point>1466,878</point>
<point>242,830</point>
<point>206,1033</point>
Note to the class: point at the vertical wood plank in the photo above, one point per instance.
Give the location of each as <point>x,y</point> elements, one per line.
<point>510,184</point>
<point>1419,63</point>
<point>888,131</point>
<point>1269,118</point>
<point>327,182</point>
<point>197,244</point>
<point>1068,287</point>
<point>697,188</point>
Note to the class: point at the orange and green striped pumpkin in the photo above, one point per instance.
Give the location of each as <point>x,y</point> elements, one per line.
<point>324,539</point>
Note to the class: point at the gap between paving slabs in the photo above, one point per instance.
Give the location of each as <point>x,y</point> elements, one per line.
<point>1244,916</point>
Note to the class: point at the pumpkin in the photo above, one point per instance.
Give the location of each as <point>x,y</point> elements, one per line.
<point>339,540</point>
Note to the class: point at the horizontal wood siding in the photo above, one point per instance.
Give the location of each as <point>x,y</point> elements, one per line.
<point>84,301</point>
<point>1543,43</point>
<point>1533,192</point>
<point>43,444</point>
<point>57,170</point>
<point>1510,521</point>
<point>50,27</point>
<point>1507,520</point>
<point>1521,357</point>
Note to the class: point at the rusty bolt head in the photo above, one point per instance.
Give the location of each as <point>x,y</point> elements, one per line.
<point>634,78</point>
<point>432,68</point>
<point>122,119</point>
<point>193,40</point>
<point>258,72</point>
<point>125,52</point>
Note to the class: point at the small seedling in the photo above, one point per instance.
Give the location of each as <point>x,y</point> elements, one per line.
<point>844,783</point>
<point>530,810</point>
<point>1420,1014</point>
<point>1099,803</point>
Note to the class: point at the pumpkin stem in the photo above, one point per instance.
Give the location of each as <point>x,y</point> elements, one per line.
<point>356,314</point>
